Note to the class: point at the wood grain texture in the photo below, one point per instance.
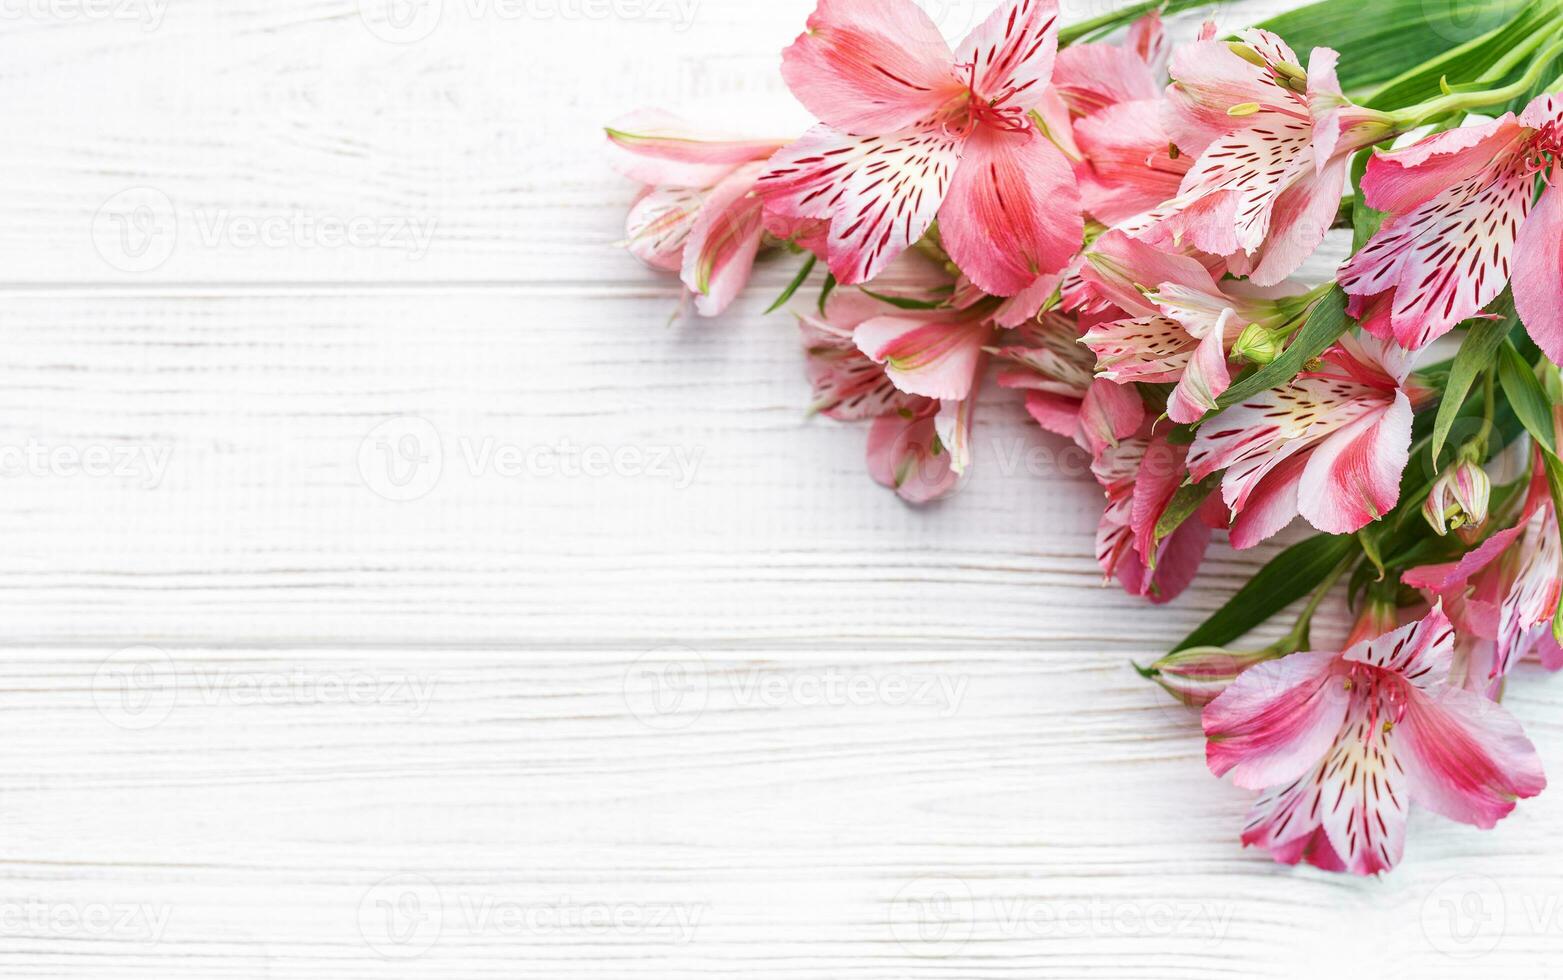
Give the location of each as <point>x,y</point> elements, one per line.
<point>319,658</point>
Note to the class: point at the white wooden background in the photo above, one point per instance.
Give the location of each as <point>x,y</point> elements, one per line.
<point>749,718</point>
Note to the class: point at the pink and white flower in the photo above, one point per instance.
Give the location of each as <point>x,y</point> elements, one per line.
<point>1140,476</point>
<point>911,131</point>
<point>1048,363</point>
<point>1273,145</point>
<point>1464,222</point>
<point>1330,446</point>
<point>1503,594</point>
<point>1346,743</point>
<point>698,215</point>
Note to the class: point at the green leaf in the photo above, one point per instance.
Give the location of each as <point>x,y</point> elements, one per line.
<point>1292,575</point>
<point>794,286</point>
<point>1325,326</point>
<point>1185,504</point>
<point>825,291</point>
<point>1476,354</point>
<point>1524,393</point>
<point>1379,40</point>
<point>905,303</point>
<point>1488,35</point>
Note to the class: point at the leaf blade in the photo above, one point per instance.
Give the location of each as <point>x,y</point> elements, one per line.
<point>1293,574</point>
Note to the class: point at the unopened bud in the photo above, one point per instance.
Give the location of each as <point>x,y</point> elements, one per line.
<point>1259,344</point>
<point>1199,676</point>
<point>1459,498</point>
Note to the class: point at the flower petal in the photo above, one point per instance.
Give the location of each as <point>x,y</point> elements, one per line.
<point>1272,505</point>
<point>936,358</point>
<point>658,226</point>
<point>1152,349</point>
<point>870,66</point>
<point>1276,721</point>
<point>1013,211</point>
<point>906,455</point>
<point>1110,414</point>
<point>1131,169</point>
<point>848,385</point>
<point>880,193</point>
<point>1353,477</point>
<point>1466,758</point>
<point>1094,77</point>
<point>657,148</point>
<point>1011,53</point>
<point>724,241</point>
<point>1206,379</point>
<point>1538,270</point>
<point>1449,257</point>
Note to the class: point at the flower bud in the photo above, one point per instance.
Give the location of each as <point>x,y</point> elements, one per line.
<point>1259,344</point>
<point>1199,676</point>
<point>1459,498</point>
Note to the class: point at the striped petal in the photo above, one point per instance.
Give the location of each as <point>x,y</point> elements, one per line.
<point>1276,721</point>
<point>870,66</point>
<point>1153,349</point>
<point>1013,211</point>
<point>1011,53</point>
<point>848,385</point>
<point>658,226</point>
<point>1450,256</point>
<point>880,193</point>
<point>1466,758</point>
<point>1353,477</point>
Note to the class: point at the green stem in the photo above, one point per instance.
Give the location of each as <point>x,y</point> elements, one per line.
<point>1075,33</point>
<point>1459,102</point>
<point>1300,638</point>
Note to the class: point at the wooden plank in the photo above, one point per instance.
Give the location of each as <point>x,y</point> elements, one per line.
<point>246,812</point>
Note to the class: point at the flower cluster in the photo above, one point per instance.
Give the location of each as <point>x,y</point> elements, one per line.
<point>1115,229</point>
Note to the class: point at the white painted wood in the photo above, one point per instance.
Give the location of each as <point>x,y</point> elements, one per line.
<point>241,689</point>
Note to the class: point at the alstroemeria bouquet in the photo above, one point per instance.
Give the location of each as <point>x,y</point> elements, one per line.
<point>1115,226</point>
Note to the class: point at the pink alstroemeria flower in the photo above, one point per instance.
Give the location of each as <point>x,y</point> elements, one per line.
<point>1274,146</point>
<point>1464,222</point>
<point>1181,325</point>
<point>1129,164</point>
<point>918,446</point>
<point>1048,363</point>
<point>1346,743</point>
<point>698,215</point>
<point>1330,446</point>
<point>911,131</point>
<point>1140,476</point>
<point>1502,595</point>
